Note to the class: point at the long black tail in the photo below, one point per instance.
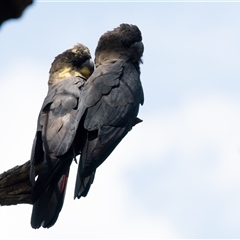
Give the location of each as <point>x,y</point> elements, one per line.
<point>83,184</point>
<point>49,192</point>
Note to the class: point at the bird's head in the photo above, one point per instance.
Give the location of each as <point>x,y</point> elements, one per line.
<point>123,42</point>
<point>71,63</point>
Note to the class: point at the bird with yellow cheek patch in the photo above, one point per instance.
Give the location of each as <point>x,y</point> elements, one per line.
<point>56,142</point>
<point>71,63</point>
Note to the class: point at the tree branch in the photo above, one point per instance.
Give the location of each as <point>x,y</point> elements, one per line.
<point>15,185</point>
<point>12,8</point>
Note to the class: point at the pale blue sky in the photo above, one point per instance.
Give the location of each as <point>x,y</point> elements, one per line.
<point>176,175</point>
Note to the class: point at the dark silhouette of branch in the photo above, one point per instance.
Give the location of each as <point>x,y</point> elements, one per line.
<point>15,186</point>
<point>12,8</point>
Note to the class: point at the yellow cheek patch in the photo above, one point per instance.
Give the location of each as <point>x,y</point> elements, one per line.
<point>65,72</point>
<point>68,72</point>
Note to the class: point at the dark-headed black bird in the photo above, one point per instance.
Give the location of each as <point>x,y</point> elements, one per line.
<point>87,116</point>
<point>111,97</point>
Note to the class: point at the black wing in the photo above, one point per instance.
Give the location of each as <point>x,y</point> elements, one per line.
<point>112,96</point>
<point>57,122</point>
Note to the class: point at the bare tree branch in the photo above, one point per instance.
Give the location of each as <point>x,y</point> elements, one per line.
<point>15,186</point>
<point>12,8</point>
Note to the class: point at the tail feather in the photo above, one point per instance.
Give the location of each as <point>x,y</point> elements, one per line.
<point>47,208</point>
<point>83,185</point>
<point>49,191</point>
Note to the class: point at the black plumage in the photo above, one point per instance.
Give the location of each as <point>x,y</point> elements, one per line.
<point>85,117</point>
<point>111,97</point>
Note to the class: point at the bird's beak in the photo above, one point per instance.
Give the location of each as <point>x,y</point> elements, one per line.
<point>87,68</point>
<point>139,47</point>
<point>89,64</point>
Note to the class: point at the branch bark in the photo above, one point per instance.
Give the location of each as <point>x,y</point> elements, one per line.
<point>15,185</point>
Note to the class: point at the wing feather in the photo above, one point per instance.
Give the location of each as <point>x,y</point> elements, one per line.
<point>58,118</point>
<point>56,122</point>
